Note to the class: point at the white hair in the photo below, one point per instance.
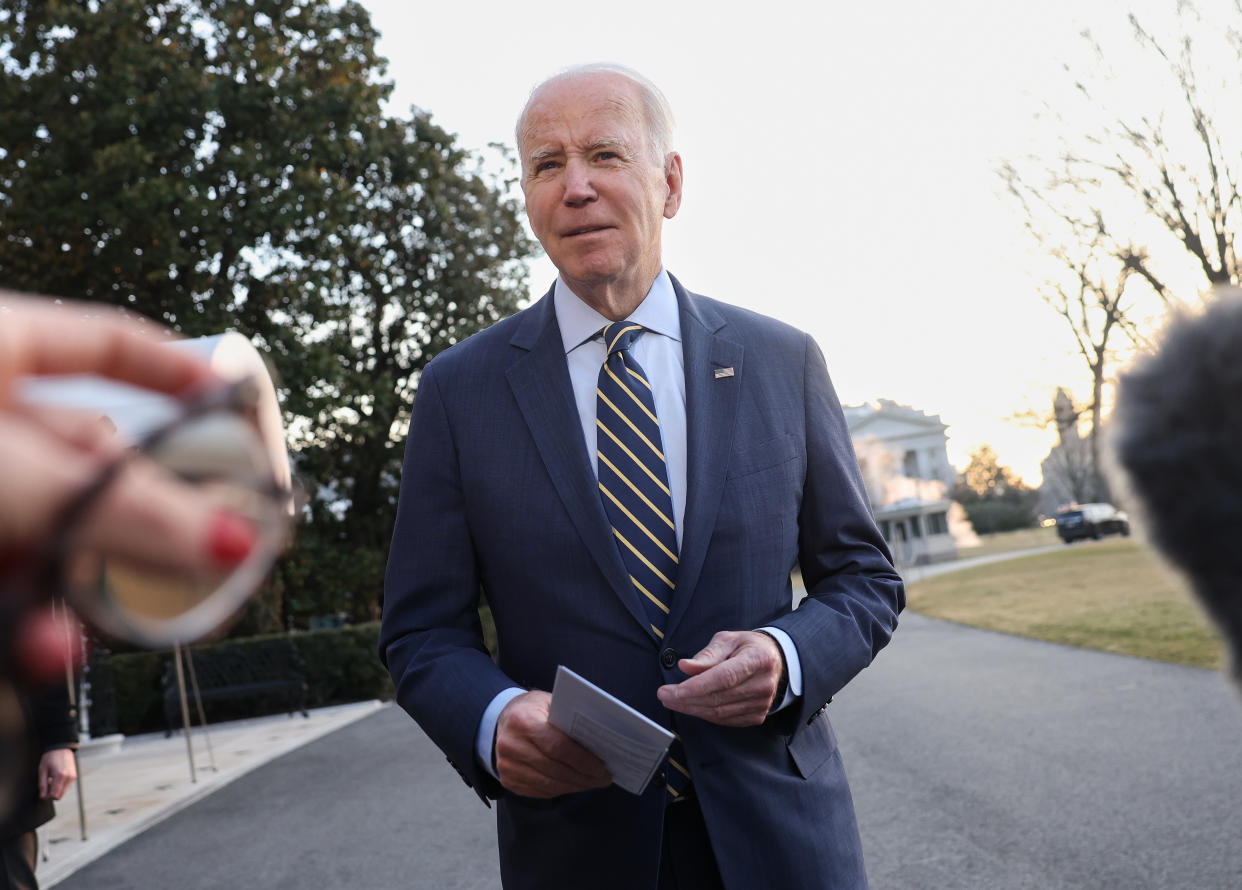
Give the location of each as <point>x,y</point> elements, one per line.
<point>656,111</point>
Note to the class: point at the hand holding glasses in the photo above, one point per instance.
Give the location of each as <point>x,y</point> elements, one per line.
<point>210,457</point>
<point>157,544</point>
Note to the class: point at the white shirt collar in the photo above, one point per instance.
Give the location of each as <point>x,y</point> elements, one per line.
<point>579,322</point>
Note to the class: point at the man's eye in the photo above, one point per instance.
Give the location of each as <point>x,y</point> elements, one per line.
<point>607,156</point>
<point>545,165</point>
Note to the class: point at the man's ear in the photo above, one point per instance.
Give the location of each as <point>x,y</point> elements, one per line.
<point>672,179</point>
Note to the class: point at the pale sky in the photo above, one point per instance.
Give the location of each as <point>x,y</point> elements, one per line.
<point>838,171</point>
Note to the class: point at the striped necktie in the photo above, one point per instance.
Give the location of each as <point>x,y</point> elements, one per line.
<point>633,483</point>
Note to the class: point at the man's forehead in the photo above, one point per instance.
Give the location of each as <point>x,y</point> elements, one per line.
<point>594,87</point>
<point>589,109</point>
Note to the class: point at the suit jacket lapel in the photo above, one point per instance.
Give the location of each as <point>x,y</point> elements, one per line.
<point>711,409</point>
<point>540,383</point>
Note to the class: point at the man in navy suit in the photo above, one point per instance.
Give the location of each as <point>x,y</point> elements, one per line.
<point>503,496</point>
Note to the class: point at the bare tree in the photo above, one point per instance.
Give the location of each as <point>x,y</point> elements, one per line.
<point>1140,197</point>
<point>1164,142</point>
<point>1189,185</point>
<point>1090,286</point>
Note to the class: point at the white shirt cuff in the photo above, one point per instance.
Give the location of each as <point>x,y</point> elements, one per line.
<point>486,734</point>
<point>793,667</point>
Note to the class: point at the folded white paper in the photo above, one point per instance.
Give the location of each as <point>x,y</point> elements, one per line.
<point>631,745</point>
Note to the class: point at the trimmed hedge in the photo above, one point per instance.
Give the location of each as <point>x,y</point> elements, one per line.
<point>342,665</point>
<point>989,517</point>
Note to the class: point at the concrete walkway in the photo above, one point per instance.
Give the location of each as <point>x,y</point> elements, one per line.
<point>914,574</point>
<point>136,782</point>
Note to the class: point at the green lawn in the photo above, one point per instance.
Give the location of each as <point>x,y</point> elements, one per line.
<point>1112,595</point>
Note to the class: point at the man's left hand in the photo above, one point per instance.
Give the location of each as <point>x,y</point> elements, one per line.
<point>733,680</point>
<point>57,772</point>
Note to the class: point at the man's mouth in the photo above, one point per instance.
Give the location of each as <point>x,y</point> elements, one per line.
<point>585,230</point>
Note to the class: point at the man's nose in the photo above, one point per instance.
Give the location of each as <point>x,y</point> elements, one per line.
<point>578,187</point>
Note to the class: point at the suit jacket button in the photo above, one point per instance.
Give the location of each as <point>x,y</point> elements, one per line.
<point>668,658</point>
<point>659,780</point>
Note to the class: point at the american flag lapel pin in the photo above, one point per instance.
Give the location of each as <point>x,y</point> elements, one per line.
<point>720,373</point>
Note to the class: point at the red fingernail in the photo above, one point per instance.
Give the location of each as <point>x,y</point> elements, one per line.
<point>231,538</point>
<point>44,643</point>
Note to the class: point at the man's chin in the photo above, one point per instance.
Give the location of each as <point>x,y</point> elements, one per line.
<point>591,273</point>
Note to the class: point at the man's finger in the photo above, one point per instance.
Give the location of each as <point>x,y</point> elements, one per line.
<point>737,690</point>
<point>712,681</point>
<point>554,755</point>
<point>746,705</point>
<point>563,750</point>
<point>721,646</point>
<point>718,687</point>
<point>548,776</point>
<point>530,781</point>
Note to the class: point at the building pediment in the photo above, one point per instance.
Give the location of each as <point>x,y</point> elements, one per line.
<point>880,425</point>
<point>887,419</point>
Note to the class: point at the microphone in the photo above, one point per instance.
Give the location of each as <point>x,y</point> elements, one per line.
<point>1178,436</point>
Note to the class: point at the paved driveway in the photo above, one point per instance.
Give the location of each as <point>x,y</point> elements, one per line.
<point>978,760</point>
<point>985,761</point>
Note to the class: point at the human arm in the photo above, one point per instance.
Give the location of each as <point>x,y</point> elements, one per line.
<point>854,593</point>
<point>845,565</point>
<point>431,638</point>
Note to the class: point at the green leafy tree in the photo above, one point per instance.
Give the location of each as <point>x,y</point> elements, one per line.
<point>228,165</point>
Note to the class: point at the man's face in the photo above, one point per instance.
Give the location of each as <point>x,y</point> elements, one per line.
<point>595,195</point>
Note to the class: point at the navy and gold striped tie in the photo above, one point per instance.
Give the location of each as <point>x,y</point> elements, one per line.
<point>633,482</point>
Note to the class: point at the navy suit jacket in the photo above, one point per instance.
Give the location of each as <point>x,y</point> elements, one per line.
<point>498,499</point>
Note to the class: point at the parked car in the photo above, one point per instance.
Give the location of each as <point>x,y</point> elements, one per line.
<point>1091,521</point>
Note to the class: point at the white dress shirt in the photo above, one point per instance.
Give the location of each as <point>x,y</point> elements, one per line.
<point>659,353</point>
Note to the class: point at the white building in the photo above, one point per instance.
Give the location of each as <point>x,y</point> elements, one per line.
<point>905,465</point>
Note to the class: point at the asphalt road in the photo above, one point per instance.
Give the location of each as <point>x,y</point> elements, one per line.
<point>372,806</point>
<point>978,761</point>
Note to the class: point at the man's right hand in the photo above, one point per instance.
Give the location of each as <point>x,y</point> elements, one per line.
<point>535,759</point>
